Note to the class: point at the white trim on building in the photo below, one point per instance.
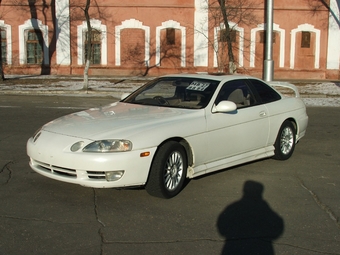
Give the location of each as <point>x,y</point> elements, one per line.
<point>132,23</point>
<point>33,24</point>
<point>276,28</point>
<point>240,30</point>
<point>81,29</point>
<point>201,42</point>
<point>333,51</point>
<point>309,28</point>
<point>62,32</point>
<point>8,29</point>
<point>176,25</point>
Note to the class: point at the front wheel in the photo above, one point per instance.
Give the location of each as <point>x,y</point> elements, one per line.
<point>168,171</point>
<point>285,141</point>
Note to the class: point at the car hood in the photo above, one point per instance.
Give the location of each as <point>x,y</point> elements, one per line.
<point>120,120</point>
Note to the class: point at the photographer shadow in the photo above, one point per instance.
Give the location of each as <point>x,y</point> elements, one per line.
<point>250,225</point>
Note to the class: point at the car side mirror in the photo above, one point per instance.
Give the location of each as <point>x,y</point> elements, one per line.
<point>224,106</point>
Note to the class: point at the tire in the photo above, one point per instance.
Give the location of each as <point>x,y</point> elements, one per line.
<point>285,141</point>
<point>168,171</point>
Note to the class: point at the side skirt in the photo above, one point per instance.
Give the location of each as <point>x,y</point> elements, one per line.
<point>231,161</point>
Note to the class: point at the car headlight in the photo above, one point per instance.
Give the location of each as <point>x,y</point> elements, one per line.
<point>109,146</point>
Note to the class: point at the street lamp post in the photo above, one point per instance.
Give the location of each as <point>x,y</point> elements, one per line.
<point>268,65</point>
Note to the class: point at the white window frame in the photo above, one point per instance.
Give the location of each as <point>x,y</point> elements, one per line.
<point>132,23</point>
<point>29,25</point>
<point>308,28</point>
<point>276,28</point>
<point>240,30</point>
<point>8,29</point>
<point>81,32</point>
<point>175,25</point>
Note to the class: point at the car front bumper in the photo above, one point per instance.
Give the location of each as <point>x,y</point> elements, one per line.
<point>88,169</point>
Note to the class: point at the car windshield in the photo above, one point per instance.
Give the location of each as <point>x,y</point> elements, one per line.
<point>179,92</point>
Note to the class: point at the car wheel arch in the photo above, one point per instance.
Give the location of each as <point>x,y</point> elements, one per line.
<point>293,121</point>
<point>186,146</point>
<point>286,139</point>
<point>172,152</point>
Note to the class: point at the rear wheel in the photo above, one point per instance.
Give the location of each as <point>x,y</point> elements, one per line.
<point>168,171</point>
<point>285,141</point>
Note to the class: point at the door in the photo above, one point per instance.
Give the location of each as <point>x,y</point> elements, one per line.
<point>239,132</point>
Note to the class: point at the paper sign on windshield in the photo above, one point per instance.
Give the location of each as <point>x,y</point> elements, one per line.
<point>198,86</point>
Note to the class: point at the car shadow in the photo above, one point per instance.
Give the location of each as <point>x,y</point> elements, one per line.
<point>250,225</point>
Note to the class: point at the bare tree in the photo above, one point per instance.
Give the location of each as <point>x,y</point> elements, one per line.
<point>90,10</point>
<point>223,7</point>
<point>88,45</point>
<point>317,5</point>
<point>48,11</point>
<point>169,54</point>
<point>3,13</point>
<point>240,12</point>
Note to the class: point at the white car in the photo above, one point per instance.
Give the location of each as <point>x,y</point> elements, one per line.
<point>174,127</point>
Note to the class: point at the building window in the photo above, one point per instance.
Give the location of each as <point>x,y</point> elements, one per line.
<point>34,47</point>
<point>223,35</point>
<point>170,36</point>
<point>305,39</point>
<point>3,46</point>
<point>96,38</point>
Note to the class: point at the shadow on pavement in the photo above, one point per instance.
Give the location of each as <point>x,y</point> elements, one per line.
<point>250,225</point>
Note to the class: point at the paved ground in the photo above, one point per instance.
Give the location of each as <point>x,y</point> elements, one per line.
<point>273,207</point>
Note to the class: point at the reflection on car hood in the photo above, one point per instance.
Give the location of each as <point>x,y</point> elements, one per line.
<point>119,119</point>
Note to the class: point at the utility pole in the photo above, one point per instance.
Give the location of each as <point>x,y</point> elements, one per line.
<point>268,65</point>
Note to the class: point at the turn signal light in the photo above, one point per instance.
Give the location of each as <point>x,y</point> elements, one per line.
<point>144,154</point>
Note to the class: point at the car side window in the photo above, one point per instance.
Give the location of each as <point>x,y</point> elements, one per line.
<point>236,91</point>
<point>265,92</point>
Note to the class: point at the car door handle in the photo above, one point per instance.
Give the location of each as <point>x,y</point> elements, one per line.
<point>263,114</point>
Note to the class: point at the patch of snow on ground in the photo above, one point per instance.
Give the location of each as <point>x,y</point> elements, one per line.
<point>313,94</point>
<point>330,102</point>
<point>329,88</point>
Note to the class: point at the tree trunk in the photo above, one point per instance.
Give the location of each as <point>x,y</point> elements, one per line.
<point>88,46</point>
<point>232,67</point>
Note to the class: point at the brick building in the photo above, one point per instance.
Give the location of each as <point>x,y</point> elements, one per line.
<point>160,37</point>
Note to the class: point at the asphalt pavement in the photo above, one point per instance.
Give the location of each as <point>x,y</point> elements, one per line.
<point>265,207</point>
<point>296,211</point>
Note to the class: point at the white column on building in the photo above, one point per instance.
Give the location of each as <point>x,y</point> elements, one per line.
<point>201,33</point>
<point>333,53</point>
<point>63,47</point>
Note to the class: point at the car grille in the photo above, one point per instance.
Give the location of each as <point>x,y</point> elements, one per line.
<point>67,172</point>
<point>95,175</point>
